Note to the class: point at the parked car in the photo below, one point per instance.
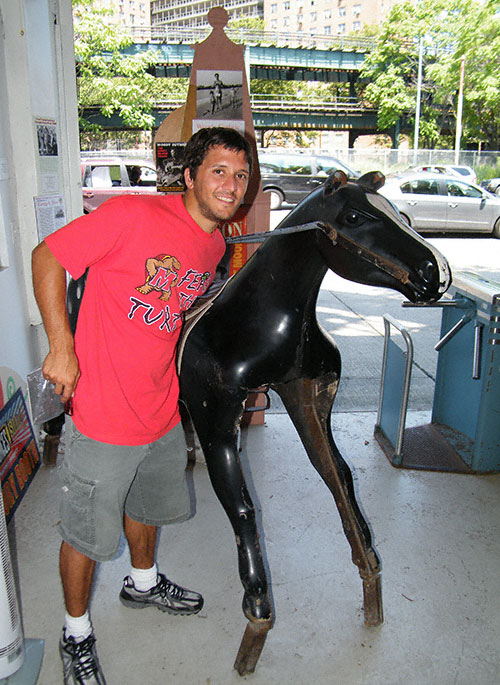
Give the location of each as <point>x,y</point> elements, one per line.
<point>431,203</point>
<point>492,185</point>
<point>105,177</point>
<point>463,172</point>
<point>290,176</point>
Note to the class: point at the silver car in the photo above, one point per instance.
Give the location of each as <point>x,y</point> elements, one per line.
<point>431,203</point>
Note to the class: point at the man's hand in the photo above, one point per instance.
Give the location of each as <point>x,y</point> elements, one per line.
<point>49,281</point>
<point>63,371</point>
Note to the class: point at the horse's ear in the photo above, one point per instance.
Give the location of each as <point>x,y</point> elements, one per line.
<point>334,181</point>
<point>373,180</point>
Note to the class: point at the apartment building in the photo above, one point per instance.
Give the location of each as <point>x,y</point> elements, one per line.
<point>324,17</point>
<point>128,12</point>
<point>193,13</point>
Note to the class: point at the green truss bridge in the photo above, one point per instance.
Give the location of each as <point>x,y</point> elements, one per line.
<point>269,55</point>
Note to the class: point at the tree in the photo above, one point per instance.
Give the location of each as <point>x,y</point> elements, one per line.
<point>108,79</point>
<point>449,30</point>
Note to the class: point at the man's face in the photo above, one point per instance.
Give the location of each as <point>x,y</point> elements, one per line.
<point>219,187</point>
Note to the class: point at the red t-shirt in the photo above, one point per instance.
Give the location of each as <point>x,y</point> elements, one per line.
<point>149,260</point>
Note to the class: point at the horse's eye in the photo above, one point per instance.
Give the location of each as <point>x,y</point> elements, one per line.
<point>351,217</point>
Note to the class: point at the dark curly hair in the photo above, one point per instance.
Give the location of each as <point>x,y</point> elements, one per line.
<point>200,143</point>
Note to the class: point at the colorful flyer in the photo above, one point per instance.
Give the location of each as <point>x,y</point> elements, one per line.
<point>19,455</point>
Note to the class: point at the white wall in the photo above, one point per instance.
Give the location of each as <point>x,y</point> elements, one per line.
<point>37,80</point>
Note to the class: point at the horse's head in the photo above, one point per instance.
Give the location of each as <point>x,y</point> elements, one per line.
<point>370,242</point>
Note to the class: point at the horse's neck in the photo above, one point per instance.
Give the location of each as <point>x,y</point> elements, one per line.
<point>289,266</point>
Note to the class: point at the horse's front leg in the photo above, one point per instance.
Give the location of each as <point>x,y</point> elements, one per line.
<point>216,419</point>
<point>309,403</point>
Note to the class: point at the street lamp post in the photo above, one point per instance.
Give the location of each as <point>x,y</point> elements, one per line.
<point>460,105</point>
<point>419,95</point>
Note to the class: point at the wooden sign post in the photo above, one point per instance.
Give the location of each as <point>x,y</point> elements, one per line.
<point>218,95</point>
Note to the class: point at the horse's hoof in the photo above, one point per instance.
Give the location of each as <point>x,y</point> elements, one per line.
<point>257,608</point>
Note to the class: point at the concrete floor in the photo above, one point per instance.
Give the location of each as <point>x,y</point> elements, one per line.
<point>438,536</point>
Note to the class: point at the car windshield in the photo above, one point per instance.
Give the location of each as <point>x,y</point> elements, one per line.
<point>296,164</point>
<point>328,165</point>
<point>461,170</point>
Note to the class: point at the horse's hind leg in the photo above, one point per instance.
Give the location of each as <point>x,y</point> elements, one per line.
<point>309,403</point>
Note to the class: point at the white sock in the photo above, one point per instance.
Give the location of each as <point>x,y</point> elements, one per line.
<point>79,627</point>
<point>144,578</point>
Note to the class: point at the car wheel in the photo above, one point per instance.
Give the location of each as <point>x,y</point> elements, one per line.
<point>496,229</point>
<point>277,198</point>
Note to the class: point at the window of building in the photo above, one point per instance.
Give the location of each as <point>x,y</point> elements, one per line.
<point>327,30</point>
<point>327,14</point>
<point>356,25</point>
<point>356,9</point>
<point>274,8</point>
<point>286,5</point>
<point>286,21</point>
<point>341,28</point>
<point>314,16</point>
<point>341,11</point>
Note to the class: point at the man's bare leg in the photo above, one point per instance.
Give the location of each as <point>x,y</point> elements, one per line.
<point>77,571</point>
<point>165,595</point>
<point>141,540</point>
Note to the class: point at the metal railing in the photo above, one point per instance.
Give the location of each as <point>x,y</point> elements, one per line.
<point>173,34</point>
<point>286,103</point>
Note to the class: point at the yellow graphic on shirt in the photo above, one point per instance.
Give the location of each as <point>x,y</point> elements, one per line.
<point>161,276</point>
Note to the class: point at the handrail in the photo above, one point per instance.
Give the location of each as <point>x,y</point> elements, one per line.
<point>174,34</point>
<point>272,103</point>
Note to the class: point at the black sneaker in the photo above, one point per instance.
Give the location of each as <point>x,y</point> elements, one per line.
<point>80,662</point>
<point>165,595</point>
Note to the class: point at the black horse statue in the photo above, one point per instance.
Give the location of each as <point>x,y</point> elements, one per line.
<point>261,331</point>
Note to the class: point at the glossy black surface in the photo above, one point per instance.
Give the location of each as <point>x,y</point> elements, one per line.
<point>262,330</point>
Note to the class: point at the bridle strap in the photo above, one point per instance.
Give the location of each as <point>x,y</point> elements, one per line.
<point>337,238</point>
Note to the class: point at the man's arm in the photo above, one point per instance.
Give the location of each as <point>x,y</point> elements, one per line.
<point>49,283</point>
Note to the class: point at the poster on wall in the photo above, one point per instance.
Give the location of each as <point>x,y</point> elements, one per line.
<point>169,167</point>
<point>236,226</point>
<point>219,94</point>
<point>50,212</point>
<point>48,154</point>
<point>19,455</point>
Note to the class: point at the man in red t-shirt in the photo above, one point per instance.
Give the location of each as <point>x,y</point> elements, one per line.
<point>148,258</point>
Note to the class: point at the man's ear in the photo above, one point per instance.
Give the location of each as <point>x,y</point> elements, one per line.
<point>187,179</point>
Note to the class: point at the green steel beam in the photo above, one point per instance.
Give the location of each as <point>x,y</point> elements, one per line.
<point>363,122</point>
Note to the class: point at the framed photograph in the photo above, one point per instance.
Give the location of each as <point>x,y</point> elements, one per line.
<point>219,94</point>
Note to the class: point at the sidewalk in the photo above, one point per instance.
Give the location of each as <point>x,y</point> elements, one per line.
<point>353,315</point>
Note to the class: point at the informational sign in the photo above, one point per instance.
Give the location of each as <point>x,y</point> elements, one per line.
<point>19,455</point>
<point>225,123</point>
<point>48,155</point>
<point>50,214</point>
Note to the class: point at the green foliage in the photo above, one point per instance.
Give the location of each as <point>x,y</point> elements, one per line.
<point>250,23</point>
<point>450,29</point>
<point>114,82</point>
